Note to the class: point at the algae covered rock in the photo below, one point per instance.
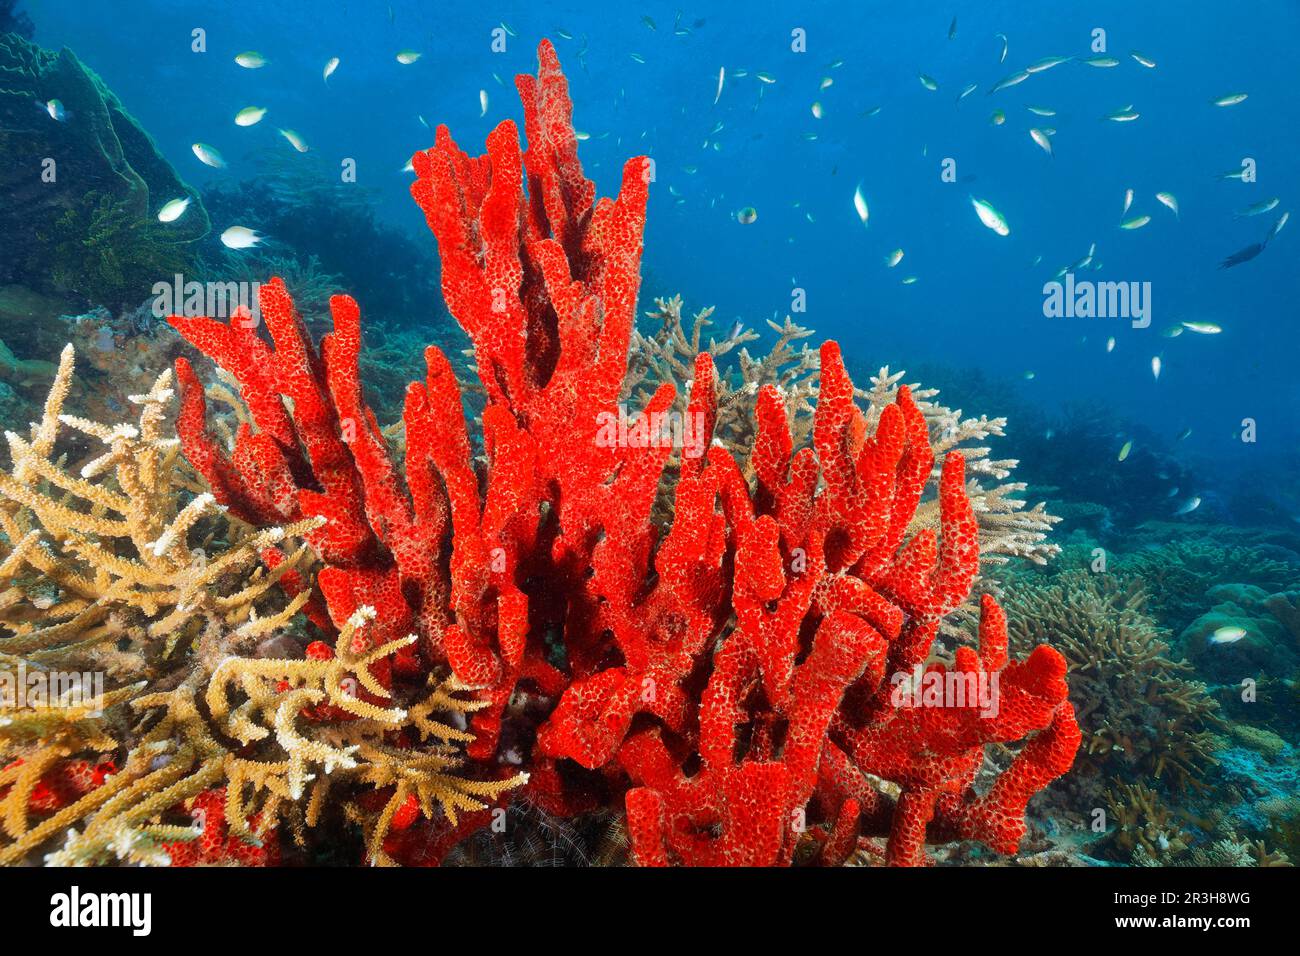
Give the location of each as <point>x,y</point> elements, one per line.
<point>1250,640</point>
<point>83,184</point>
<point>32,329</point>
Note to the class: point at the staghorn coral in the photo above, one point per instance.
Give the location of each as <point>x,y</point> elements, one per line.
<point>668,353</point>
<point>1145,830</point>
<point>717,678</point>
<point>101,556</point>
<point>126,567</point>
<point>1140,715</point>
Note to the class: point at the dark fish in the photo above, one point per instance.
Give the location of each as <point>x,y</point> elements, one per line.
<point>952,29</point>
<point>1245,255</point>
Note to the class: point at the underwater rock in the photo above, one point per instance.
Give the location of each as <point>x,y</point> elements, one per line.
<point>1286,608</point>
<point>33,331</point>
<point>1266,646</point>
<point>13,368</point>
<point>83,190</point>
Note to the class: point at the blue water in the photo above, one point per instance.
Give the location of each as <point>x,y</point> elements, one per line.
<point>977,300</point>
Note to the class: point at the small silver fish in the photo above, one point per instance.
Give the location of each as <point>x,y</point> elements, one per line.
<point>1263,206</point>
<point>295,140</point>
<point>1046,63</point>
<point>250,115</point>
<point>1277,226</point>
<point>173,209</point>
<point>240,237</point>
<point>990,217</point>
<point>1228,634</point>
<point>1008,81</point>
<point>860,204</point>
<point>208,155</point>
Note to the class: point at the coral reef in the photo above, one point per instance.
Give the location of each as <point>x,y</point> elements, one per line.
<point>1266,645</point>
<point>1074,457</point>
<point>666,355</point>
<point>1143,824</point>
<point>1179,571</point>
<point>1008,530</point>
<point>731,680</point>
<point>1141,716</point>
<point>124,567</point>
<point>1147,832</point>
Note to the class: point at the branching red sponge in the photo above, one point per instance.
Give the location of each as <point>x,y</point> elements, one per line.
<point>739,681</point>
